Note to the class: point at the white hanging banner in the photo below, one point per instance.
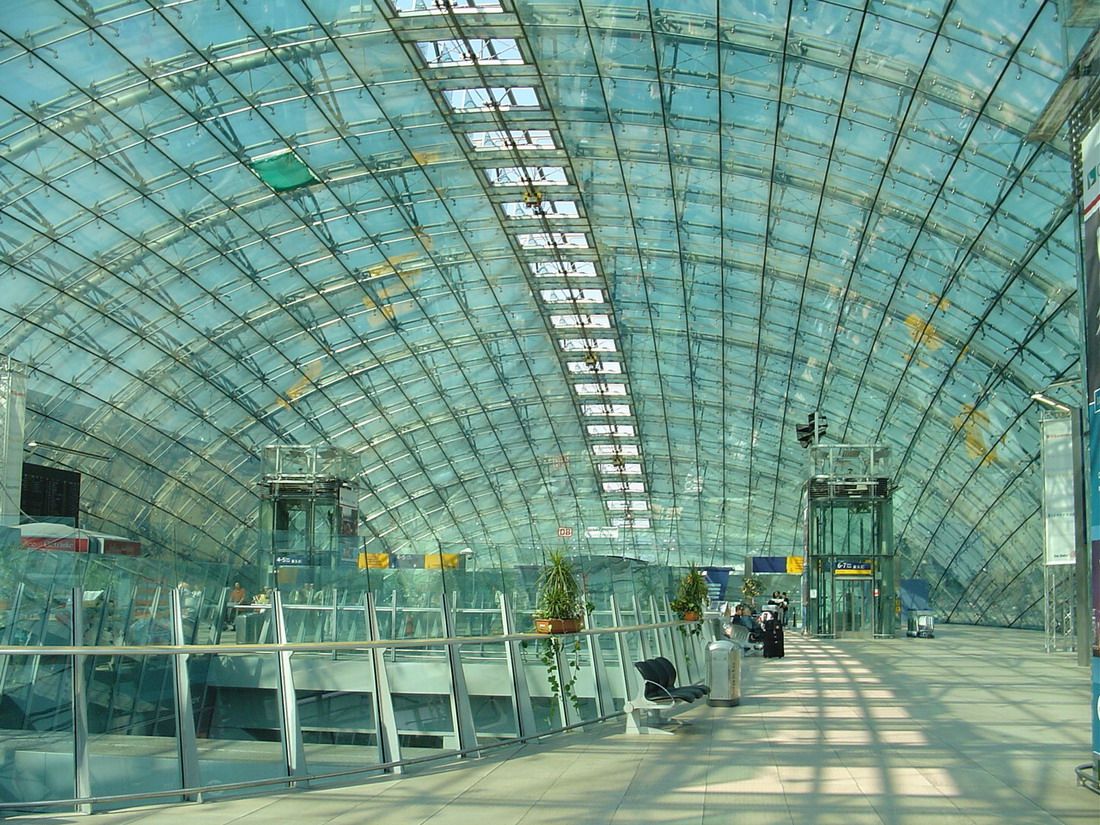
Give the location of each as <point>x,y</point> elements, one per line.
<point>1059,530</point>
<point>13,403</point>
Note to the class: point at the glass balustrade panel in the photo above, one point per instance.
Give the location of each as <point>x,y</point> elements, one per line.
<point>237,718</point>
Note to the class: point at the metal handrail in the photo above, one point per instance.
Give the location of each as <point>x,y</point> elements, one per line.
<point>303,647</point>
<point>1087,775</point>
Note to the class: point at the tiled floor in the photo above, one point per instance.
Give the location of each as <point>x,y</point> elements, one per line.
<point>975,726</point>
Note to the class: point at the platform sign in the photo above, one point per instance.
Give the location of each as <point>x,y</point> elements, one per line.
<point>852,568</point>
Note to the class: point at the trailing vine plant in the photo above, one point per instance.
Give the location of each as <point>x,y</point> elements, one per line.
<point>548,651</point>
<point>560,596</point>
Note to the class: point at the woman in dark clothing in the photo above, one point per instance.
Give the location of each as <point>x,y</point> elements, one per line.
<point>773,635</point>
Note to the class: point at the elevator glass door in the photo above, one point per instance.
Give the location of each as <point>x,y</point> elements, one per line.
<point>854,607</point>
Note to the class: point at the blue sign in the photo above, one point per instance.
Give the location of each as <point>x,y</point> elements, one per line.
<point>852,568</point>
<point>717,580</point>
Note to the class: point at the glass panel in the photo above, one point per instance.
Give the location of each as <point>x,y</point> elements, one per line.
<point>336,709</point>
<point>488,682</point>
<point>254,623</point>
<point>131,709</point>
<point>854,608</point>
<point>237,718</point>
<point>36,721</point>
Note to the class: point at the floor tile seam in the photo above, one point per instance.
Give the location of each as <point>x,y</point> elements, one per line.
<point>958,817</point>
<point>440,808</point>
<point>963,760</point>
<point>546,784</point>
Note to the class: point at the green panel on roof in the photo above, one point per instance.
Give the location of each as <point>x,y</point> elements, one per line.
<point>283,171</point>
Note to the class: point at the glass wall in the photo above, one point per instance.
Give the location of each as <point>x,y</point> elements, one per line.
<point>340,673</point>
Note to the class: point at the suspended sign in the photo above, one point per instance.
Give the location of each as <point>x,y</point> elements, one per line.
<point>1059,521</point>
<point>852,568</point>
<point>437,561</point>
<point>374,560</point>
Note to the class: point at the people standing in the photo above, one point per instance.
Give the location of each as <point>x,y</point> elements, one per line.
<point>237,596</point>
<point>773,634</point>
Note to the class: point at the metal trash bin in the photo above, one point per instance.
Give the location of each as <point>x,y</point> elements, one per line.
<point>724,673</point>
<point>921,625</point>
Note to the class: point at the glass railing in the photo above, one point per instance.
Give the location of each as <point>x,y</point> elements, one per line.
<point>104,704</point>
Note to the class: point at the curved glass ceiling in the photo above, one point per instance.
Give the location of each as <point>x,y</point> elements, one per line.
<point>544,264</point>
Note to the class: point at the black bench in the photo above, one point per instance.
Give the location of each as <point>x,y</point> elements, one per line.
<point>659,692</point>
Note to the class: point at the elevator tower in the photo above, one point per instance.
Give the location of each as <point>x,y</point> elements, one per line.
<point>309,511</point>
<point>850,584</point>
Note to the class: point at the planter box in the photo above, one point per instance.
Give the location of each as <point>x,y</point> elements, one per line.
<point>557,625</point>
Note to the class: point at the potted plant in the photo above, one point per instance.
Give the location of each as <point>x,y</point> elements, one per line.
<point>751,587</point>
<point>691,595</point>
<point>559,604</point>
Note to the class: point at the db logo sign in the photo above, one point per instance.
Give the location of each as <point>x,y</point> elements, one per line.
<point>565,532</point>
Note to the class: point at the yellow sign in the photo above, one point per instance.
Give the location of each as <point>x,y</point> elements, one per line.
<point>435,561</point>
<point>374,560</point>
<point>796,565</point>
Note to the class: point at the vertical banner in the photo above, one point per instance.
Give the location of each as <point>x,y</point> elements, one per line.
<point>1090,239</point>
<point>1059,514</point>
<point>13,406</point>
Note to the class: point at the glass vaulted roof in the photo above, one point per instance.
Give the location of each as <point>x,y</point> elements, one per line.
<point>544,263</point>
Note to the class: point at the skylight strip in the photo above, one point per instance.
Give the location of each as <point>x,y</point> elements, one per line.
<point>625,468</point>
<point>552,240</point>
<point>631,505</point>
<point>551,210</point>
<point>614,449</point>
<point>415,8</point>
<point>623,487</point>
<point>510,140</point>
<point>631,523</point>
<point>581,321</point>
<point>526,176</point>
<point>491,98</point>
<point>497,51</point>
<point>600,389</point>
<point>572,296</point>
<point>587,344</point>
<point>595,368</point>
<point>613,430</point>
<point>610,410</point>
<point>563,269</point>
